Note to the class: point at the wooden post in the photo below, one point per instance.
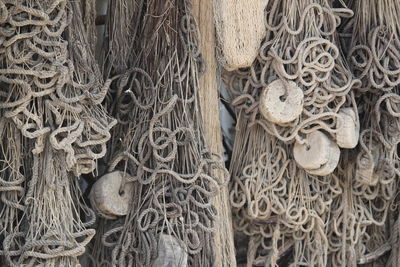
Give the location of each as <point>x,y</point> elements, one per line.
<point>209,102</point>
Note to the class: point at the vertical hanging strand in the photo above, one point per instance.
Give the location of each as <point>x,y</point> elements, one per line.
<point>51,91</point>
<point>12,181</point>
<point>163,152</point>
<point>296,98</point>
<point>117,56</point>
<point>372,36</point>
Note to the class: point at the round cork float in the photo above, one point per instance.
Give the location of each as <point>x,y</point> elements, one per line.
<point>110,196</point>
<point>319,155</point>
<point>281,101</point>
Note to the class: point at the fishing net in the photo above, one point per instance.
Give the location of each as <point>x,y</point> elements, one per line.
<point>50,94</point>
<point>282,209</point>
<point>295,107</point>
<point>372,38</point>
<point>313,183</point>
<point>299,89</point>
<point>117,55</point>
<point>160,151</point>
<point>49,83</point>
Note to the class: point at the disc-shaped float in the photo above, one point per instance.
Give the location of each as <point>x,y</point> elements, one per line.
<point>348,128</point>
<point>109,196</point>
<point>331,164</point>
<point>281,101</point>
<point>318,155</point>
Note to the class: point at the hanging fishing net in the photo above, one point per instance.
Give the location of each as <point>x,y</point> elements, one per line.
<point>295,109</point>
<point>103,160</point>
<point>372,40</point>
<point>51,89</point>
<point>159,160</point>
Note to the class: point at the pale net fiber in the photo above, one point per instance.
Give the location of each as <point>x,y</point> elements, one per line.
<point>282,209</point>
<point>56,130</point>
<point>285,211</point>
<point>372,37</point>
<point>161,147</point>
<point>240,29</point>
<point>12,178</point>
<point>117,55</point>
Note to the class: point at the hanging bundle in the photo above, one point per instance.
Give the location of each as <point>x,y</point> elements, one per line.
<point>50,88</point>
<point>117,55</point>
<point>373,39</point>
<point>161,154</point>
<point>12,179</point>
<point>50,91</point>
<point>295,109</point>
<point>374,44</point>
<point>122,23</point>
<point>280,207</point>
<point>240,29</point>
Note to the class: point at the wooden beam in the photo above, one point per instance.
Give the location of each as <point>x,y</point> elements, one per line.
<point>209,102</point>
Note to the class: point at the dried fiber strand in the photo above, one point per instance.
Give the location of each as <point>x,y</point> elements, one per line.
<point>12,180</point>
<point>277,204</point>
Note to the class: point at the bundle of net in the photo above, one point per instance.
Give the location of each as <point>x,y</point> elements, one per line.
<point>374,44</point>
<point>117,60</point>
<point>359,216</point>
<point>282,210</point>
<point>240,29</point>
<point>119,55</point>
<point>116,57</point>
<point>372,37</point>
<point>295,108</point>
<point>161,179</point>
<point>12,178</point>
<point>299,87</point>
<point>51,90</point>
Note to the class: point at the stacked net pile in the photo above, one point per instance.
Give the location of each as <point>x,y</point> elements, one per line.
<point>166,177</point>
<point>55,130</point>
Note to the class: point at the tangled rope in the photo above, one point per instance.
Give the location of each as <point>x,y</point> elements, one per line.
<point>283,209</point>
<point>275,203</point>
<point>41,82</point>
<point>50,94</point>
<point>160,144</point>
<point>372,55</point>
<point>310,58</point>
